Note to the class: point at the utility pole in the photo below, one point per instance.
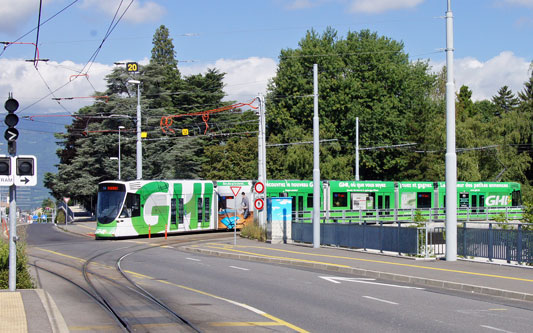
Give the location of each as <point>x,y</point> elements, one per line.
<point>356,148</point>
<point>119,174</point>
<point>261,157</point>
<point>316,163</point>
<point>451,157</point>
<point>139,144</point>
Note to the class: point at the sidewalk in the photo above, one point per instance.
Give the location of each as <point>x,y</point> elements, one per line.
<point>29,310</point>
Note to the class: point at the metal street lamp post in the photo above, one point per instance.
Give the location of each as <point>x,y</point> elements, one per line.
<point>119,174</point>
<point>139,145</point>
<point>116,158</point>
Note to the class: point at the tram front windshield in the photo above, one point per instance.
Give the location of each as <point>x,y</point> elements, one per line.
<point>110,199</point>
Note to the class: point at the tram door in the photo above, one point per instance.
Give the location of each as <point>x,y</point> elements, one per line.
<point>383,204</point>
<point>478,201</point>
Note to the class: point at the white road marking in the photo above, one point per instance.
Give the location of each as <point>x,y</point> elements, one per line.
<point>336,279</point>
<point>192,259</point>
<point>380,300</point>
<point>495,329</point>
<point>242,269</point>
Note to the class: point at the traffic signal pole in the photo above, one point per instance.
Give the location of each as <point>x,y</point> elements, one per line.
<point>11,134</point>
<point>14,170</point>
<point>12,238</point>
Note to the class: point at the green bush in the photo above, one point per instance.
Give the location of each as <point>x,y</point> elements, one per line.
<point>254,231</point>
<point>24,280</point>
<point>60,217</point>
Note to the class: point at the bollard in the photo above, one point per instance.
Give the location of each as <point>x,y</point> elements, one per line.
<point>166,226</point>
<point>149,231</point>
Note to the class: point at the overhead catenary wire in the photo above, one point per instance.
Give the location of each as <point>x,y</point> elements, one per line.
<point>36,55</point>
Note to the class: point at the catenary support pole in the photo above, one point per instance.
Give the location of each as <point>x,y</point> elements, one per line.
<point>451,157</point>
<point>356,148</point>
<point>261,157</point>
<point>139,144</point>
<point>316,163</point>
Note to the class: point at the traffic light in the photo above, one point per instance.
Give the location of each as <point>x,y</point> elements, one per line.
<point>5,166</point>
<point>11,134</point>
<point>25,173</point>
<point>25,166</point>
<point>18,170</point>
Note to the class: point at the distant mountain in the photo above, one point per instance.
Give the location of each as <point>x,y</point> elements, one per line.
<point>36,137</point>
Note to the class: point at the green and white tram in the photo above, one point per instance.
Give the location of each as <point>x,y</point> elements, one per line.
<point>142,207</point>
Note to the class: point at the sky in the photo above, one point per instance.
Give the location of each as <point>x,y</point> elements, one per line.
<point>492,41</point>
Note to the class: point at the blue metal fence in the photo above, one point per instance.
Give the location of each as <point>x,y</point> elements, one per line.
<point>377,237</point>
<point>510,245</point>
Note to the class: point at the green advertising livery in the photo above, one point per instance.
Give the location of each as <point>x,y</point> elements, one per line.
<point>141,207</point>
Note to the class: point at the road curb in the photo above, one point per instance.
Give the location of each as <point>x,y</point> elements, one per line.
<point>418,281</point>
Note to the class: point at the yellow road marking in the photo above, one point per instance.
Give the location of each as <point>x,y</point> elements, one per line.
<point>86,227</point>
<point>61,254</point>
<point>257,311</point>
<point>245,324</point>
<point>92,328</point>
<point>250,308</point>
<point>228,248</point>
<point>274,257</point>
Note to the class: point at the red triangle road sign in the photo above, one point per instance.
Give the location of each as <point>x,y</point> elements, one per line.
<point>235,190</point>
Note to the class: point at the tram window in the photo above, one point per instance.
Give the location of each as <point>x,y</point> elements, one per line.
<point>207,208</point>
<point>300,203</point>
<point>340,199</point>
<point>474,203</point>
<point>481,202</point>
<point>173,211</point>
<point>423,200</point>
<point>387,204</point>
<point>283,195</point>
<point>132,206</point>
<point>516,198</point>
<point>310,201</point>
<point>181,211</point>
<point>463,200</point>
<point>408,200</point>
<point>200,209</point>
<point>223,202</point>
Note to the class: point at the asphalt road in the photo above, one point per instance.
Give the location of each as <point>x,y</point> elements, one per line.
<point>219,294</point>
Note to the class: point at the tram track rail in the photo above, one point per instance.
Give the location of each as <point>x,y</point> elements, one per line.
<point>103,289</point>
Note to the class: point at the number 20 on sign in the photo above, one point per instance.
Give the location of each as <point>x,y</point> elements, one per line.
<point>132,67</point>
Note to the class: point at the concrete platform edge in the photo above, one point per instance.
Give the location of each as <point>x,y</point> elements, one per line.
<point>424,282</point>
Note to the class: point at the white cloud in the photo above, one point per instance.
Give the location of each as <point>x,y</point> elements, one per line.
<point>244,78</point>
<point>484,79</point>
<point>527,3</point>
<point>23,80</point>
<point>15,13</point>
<point>380,6</point>
<point>139,11</point>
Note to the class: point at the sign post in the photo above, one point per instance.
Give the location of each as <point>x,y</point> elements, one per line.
<point>66,200</point>
<point>235,190</point>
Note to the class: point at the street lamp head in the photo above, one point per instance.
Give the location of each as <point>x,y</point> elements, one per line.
<point>113,158</point>
<point>134,81</point>
<point>121,127</point>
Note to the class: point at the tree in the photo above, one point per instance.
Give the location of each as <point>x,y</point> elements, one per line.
<point>363,75</point>
<point>505,100</point>
<point>92,138</point>
<point>163,49</point>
